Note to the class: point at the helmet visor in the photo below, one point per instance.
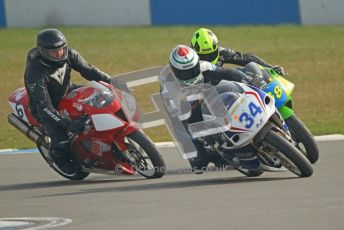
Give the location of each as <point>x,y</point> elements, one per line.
<point>54,55</point>
<point>186,74</point>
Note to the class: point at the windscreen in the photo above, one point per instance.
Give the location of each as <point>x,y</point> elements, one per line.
<point>102,96</point>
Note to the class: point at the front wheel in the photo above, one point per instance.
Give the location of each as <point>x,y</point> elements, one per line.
<point>304,139</point>
<point>291,158</point>
<point>147,159</point>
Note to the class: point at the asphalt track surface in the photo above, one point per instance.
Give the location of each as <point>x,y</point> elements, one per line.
<point>179,200</point>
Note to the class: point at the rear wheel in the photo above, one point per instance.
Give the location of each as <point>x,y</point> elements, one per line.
<point>78,174</point>
<point>290,157</point>
<point>304,139</point>
<point>146,157</point>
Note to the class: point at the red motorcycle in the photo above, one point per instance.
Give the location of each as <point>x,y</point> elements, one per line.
<point>111,143</point>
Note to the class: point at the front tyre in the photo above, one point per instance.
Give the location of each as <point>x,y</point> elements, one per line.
<point>291,158</point>
<point>304,139</point>
<point>78,174</point>
<point>148,161</point>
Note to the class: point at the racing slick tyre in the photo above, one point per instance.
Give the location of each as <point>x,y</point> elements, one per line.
<point>304,139</point>
<point>148,161</point>
<point>291,158</point>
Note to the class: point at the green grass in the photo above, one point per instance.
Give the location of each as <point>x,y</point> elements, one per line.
<point>312,55</point>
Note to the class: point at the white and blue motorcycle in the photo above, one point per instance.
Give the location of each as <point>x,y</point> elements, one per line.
<point>256,136</point>
<point>253,137</point>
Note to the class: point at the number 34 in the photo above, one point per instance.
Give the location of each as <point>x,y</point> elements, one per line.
<point>248,119</point>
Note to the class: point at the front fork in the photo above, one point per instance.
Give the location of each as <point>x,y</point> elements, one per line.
<point>120,147</point>
<point>278,125</point>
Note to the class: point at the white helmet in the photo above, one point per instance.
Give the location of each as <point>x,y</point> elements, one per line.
<point>185,65</point>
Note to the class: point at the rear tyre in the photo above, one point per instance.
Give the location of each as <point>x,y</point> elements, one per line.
<point>303,138</point>
<point>148,161</point>
<point>78,174</point>
<point>290,156</point>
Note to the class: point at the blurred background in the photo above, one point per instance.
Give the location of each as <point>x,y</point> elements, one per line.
<point>40,13</point>
<point>306,37</point>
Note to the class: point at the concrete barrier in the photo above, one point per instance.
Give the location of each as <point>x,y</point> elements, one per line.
<point>2,14</point>
<point>322,12</point>
<point>43,13</point>
<point>224,12</point>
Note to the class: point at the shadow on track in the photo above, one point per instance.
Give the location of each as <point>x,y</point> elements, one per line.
<point>64,183</point>
<point>151,185</point>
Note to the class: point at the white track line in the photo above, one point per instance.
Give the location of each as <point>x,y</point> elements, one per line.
<point>170,144</point>
<point>32,223</point>
<point>334,137</point>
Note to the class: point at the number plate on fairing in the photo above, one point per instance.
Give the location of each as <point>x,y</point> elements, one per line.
<point>280,89</point>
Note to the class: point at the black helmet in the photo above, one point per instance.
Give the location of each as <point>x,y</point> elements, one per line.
<point>51,43</point>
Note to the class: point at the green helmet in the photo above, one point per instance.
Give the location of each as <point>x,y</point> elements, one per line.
<point>206,45</point>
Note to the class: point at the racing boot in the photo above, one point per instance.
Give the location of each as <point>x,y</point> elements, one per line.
<point>245,158</point>
<point>248,159</point>
<point>64,162</point>
<point>198,164</point>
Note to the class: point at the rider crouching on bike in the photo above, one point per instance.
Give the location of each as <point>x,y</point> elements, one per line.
<point>206,45</point>
<point>190,71</point>
<point>47,79</point>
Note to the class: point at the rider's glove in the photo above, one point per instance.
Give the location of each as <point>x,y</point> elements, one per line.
<point>119,84</point>
<point>74,126</point>
<point>220,62</point>
<point>279,69</point>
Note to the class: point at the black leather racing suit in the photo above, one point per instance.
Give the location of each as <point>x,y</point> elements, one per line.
<point>230,56</point>
<point>212,75</point>
<point>47,84</point>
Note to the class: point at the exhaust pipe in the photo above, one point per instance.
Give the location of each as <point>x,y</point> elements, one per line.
<point>26,129</point>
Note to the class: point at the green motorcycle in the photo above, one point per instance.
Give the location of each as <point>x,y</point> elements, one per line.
<point>281,89</point>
